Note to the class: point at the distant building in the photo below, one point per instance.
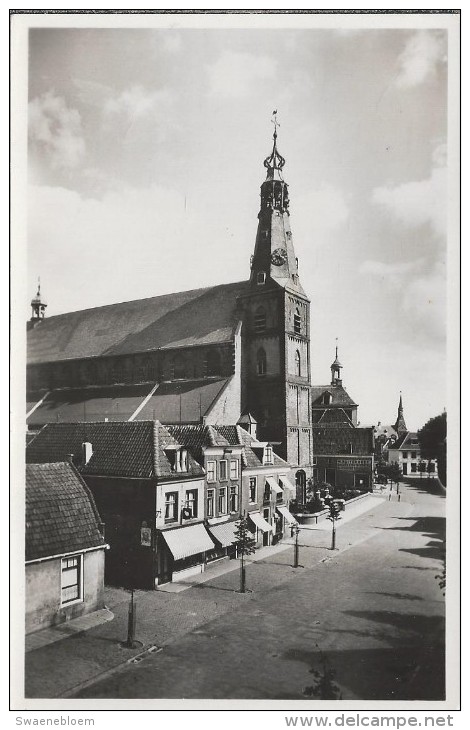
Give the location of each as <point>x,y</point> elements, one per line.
<point>65,547</point>
<point>396,444</point>
<point>331,404</point>
<point>344,457</point>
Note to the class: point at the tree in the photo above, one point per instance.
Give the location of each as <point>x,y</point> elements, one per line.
<point>245,546</point>
<point>432,441</point>
<point>394,472</point>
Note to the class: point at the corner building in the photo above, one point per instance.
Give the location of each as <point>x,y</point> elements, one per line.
<point>210,356</point>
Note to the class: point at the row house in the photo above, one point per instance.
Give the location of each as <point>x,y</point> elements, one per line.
<point>148,490</point>
<point>64,547</point>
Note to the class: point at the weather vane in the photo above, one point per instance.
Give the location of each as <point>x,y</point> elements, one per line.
<point>275,122</point>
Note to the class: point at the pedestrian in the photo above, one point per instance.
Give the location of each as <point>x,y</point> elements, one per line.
<point>399,497</point>
<point>389,497</point>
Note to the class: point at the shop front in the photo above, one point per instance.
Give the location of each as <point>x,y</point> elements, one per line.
<point>223,534</point>
<point>181,552</point>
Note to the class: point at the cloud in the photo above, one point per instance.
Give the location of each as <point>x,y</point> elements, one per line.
<point>320,211</point>
<point>424,51</point>
<point>56,131</point>
<point>236,75</point>
<point>137,102</point>
<point>393,273</point>
<point>417,203</point>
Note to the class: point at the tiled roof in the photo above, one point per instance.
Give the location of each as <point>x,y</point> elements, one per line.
<point>332,417</point>
<point>196,437</point>
<point>124,449</point>
<point>95,403</point>
<point>236,435</point>
<point>405,441</point>
<point>61,516</point>
<point>339,395</point>
<point>197,317</point>
<point>339,440</point>
<point>182,401</point>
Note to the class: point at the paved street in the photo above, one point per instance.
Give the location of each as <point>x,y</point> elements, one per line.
<point>373,607</point>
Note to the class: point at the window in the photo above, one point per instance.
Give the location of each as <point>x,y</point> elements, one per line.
<point>223,470</point>
<point>405,455</point>
<point>268,455</point>
<point>261,278</point>
<point>297,362</point>
<point>171,507</point>
<point>327,398</point>
<point>413,454</point>
<point>211,474</point>
<point>210,503</point>
<point>222,501</point>
<point>181,460</point>
<point>234,469</point>
<point>261,362</point>
<point>179,367</point>
<point>191,502</point>
<point>259,321</point>
<point>297,321</point>
<point>413,468</point>
<point>431,467</point>
<point>71,579</point>
<point>252,489</point>
<point>234,498</point>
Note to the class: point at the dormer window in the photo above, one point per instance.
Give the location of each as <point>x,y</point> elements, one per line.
<point>259,322</point>
<point>261,278</point>
<point>327,398</point>
<point>268,455</point>
<point>181,460</point>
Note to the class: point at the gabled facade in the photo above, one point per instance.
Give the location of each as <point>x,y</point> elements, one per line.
<point>331,404</point>
<point>65,547</point>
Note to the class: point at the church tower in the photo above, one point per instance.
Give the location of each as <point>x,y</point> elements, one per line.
<point>277,327</point>
<point>400,425</point>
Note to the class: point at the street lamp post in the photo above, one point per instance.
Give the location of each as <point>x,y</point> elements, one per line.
<point>296,530</point>
<point>333,516</point>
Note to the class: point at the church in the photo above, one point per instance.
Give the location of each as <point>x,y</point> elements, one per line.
<point>234,353</point>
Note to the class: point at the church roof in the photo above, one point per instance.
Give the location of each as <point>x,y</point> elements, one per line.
<point>339,395</point>
<point>197,317</point>
<point>61,516</point>
<point>136,449</point>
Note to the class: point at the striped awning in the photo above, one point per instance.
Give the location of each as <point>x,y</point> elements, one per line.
<point>224,533</point>
<point>288,485</point>
<point>186,541</point>
<point>260,522</point>
<point>284,512</point>
<point>274,485</point>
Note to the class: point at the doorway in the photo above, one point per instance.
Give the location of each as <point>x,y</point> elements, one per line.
<point>266,534</point>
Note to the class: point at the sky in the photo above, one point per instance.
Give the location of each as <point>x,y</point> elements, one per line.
<point>145,160</point>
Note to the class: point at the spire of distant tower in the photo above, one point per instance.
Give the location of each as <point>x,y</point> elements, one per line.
<point>336,369</point>
<point>400,425</point>
<point>38,305</point>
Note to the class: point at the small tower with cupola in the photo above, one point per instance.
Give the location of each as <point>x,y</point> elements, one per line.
<point>38,307</point>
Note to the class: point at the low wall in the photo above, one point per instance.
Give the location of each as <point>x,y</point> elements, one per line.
<point>312,519</point>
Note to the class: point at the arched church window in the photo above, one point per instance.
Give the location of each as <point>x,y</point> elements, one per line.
<point>261,362</point>
<point>259,323</point>
<point>213,362</point>
<point>297,321</point>
<point>179,367</point>
<point>297,362</point>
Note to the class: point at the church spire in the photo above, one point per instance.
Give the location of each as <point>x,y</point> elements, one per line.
<point>400,425</point>
<point>38,305</point>
<point>274,258</point>
<point>336,369</point>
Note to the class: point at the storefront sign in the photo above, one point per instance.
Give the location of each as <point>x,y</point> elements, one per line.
<point>146,536</point>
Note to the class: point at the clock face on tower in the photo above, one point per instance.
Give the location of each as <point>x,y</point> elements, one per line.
<point>278,257</point>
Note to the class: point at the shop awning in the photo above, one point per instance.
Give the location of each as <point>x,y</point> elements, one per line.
<point>284,512</point>
<point>274,485</point>
<point>288,485</point>
<point>224,533</point>
<point>260,522</point>
<point>186,541</point>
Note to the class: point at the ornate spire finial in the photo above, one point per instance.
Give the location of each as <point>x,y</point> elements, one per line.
<point>275,161</point>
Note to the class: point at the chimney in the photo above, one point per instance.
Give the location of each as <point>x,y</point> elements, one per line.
<point>70,458</point>
<point>87,452</point>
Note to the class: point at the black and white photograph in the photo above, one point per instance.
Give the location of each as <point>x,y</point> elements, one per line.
<point>235,337</point>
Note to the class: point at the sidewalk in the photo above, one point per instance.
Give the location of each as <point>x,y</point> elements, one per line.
<point>60,661</point>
